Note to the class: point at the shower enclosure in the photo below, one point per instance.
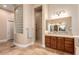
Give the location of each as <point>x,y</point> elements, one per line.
<point>23,35</point>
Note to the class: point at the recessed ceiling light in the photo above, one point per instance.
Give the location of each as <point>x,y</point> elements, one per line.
<point>4,5</point>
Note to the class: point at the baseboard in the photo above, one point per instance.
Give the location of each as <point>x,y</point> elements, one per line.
<point>4,40</point>
<point>23,46</point>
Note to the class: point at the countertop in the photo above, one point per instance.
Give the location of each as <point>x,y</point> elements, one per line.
<point>59,35</point>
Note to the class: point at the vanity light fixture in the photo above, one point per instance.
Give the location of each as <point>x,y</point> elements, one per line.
<point>60,12</point>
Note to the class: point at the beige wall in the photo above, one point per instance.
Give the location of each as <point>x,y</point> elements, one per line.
<point>78,20</point>
<point>4,17</point>
<point>28,21</point>
<point>71,10</point>
<point>77,39</point>
<point>44,17</point>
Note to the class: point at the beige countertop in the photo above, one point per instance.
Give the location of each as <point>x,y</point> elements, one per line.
<point>59,35</point>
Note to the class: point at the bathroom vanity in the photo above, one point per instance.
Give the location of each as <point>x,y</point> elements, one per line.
<point>59,34</point>
<point>65,44</point>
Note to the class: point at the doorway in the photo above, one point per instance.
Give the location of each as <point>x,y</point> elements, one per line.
<point>10,29</point>
<point>38,25</point>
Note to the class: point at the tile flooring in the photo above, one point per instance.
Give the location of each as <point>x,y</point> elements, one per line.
<point>7,48</point>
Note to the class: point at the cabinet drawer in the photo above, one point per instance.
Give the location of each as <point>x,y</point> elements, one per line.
<point>69,39</point>
<point>71,46</point>
<point>69,49</point>
<point>67,42</point>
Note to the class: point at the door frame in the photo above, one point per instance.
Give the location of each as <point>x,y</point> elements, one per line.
<point>37,9</point>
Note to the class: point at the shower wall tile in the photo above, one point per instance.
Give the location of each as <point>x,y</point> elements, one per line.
<point>19,19</point>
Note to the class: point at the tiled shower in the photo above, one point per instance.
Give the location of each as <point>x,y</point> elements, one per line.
<point>19,20</point>
<point>23,35</point>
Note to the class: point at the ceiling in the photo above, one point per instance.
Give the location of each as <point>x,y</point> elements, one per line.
<point>8,7</point>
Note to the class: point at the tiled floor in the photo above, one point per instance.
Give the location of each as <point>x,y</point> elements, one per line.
<point>7,48</point>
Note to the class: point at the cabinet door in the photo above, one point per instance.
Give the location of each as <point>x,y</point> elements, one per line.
<point>47,41</point>
<point>60,43</point>
<point>53,42</point>
<point>69,45</point>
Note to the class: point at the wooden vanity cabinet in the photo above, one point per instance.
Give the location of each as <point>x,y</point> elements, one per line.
<point>53,42</point>
<point>60,43</point>
<point>47,41</point>
<point>69,45</point>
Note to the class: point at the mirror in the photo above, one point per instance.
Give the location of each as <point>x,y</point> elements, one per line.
<point>62,28</point>
<point>60,25</point>
<point>55,27</point>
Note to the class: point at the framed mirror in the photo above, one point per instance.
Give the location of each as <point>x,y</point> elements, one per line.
<point>59,25</point>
